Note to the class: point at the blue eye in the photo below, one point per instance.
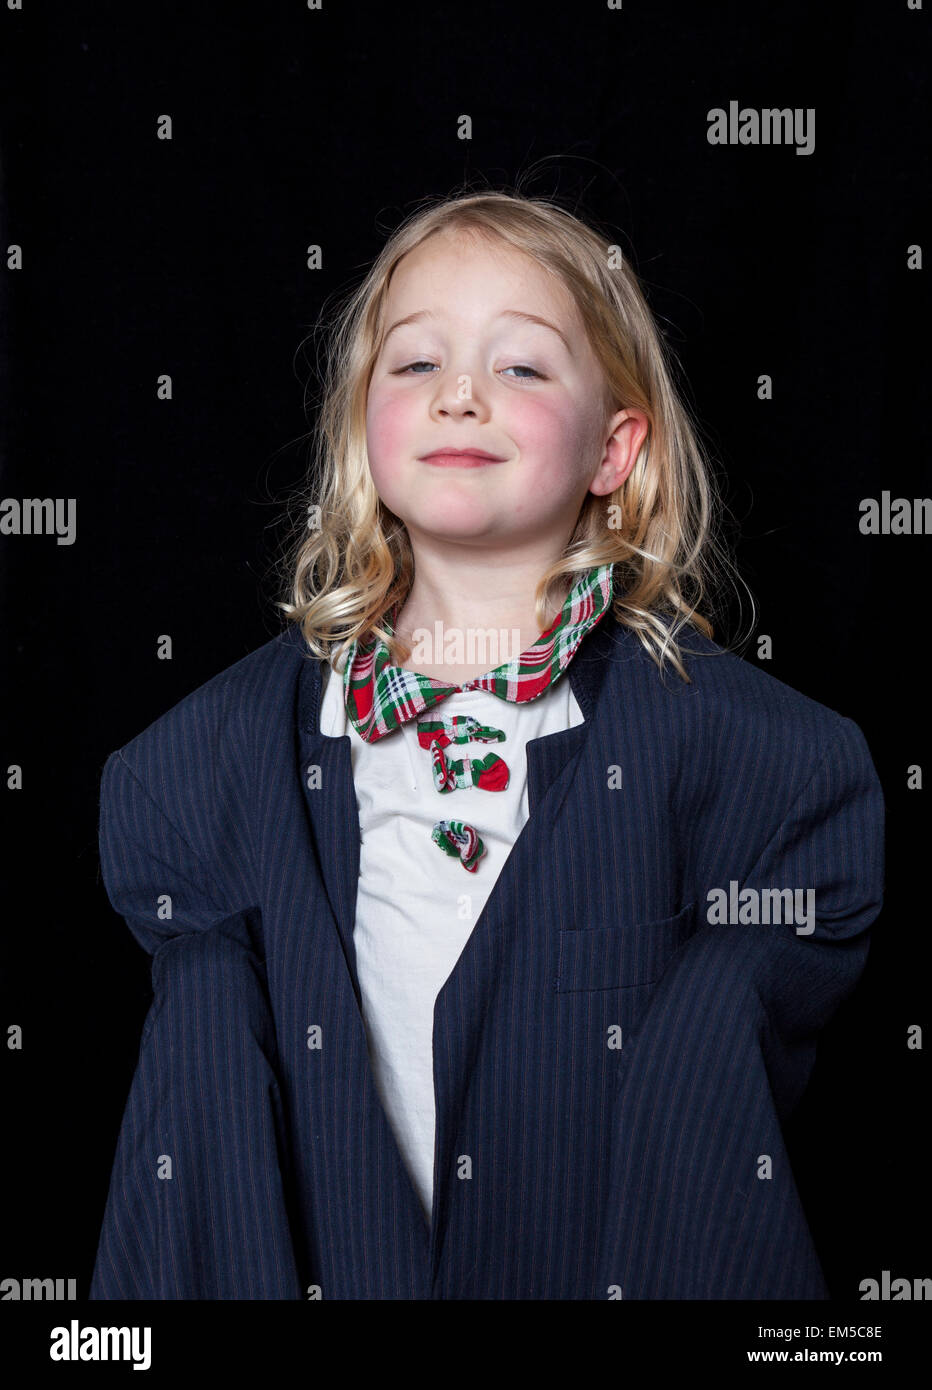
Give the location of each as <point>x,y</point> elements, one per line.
<point>523,369</point>
<point>534,373</point>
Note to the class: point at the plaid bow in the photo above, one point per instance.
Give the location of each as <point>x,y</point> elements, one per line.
<point>380,697</point>
<point>490,773</point>
<point>462,728</point>
<point>457,838</point>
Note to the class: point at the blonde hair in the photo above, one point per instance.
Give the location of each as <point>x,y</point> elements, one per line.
<point>344,575</point>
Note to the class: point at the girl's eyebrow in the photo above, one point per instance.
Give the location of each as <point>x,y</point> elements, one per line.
<point>506,313</point>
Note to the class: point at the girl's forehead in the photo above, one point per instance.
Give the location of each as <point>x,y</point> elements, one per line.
<point>447,268</point>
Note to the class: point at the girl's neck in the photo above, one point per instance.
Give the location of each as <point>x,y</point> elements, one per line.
<point>467,644</point>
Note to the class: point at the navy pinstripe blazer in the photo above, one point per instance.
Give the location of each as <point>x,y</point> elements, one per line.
<point>255,1159</point>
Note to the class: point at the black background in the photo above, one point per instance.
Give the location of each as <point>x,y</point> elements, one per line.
<point>293,127</point>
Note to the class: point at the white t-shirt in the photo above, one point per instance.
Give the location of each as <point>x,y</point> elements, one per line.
<point>416,905</point>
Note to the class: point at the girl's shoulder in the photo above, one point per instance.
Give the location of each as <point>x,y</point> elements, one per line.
<point>726,689</point>
<point>251,688</point>
<point>216,736</point>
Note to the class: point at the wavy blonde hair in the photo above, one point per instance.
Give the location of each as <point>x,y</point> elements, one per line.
<point>344,575</point>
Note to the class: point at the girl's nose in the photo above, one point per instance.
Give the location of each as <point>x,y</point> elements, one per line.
<point>457,391</point>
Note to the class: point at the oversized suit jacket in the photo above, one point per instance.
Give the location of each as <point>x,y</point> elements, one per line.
<point>612,1067</point>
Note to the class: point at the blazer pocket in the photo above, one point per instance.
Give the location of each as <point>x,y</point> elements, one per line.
<point>618,957</point>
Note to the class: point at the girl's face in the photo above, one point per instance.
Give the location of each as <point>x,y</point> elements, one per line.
<point>471,371</point>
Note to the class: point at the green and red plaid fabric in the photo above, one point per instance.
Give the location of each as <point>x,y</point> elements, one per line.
<point>490,773</point>
<point>380,696</point>
<point>457,838</point>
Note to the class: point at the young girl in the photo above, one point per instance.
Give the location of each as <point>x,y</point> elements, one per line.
<point>494,908</point>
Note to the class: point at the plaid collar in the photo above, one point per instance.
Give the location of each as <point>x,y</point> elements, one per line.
<point>380,696</point>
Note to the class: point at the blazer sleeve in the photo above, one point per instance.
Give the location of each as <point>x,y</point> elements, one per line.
<point>153,877</point>
<point>703,1203</point>
<point>830,843</point>
<point>201,1203</point>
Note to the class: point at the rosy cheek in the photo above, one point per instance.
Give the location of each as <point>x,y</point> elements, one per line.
<point>544,428</point>
<point>388,428</point>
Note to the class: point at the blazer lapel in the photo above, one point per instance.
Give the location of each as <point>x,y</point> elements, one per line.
<point>326,772</point>
<point>548,756</point>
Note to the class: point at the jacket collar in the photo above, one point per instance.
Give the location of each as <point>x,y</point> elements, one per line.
<point>380,696</point>
<point>325,769</point>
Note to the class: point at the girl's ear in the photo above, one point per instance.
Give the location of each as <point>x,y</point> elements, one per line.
<point>626,432</point>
